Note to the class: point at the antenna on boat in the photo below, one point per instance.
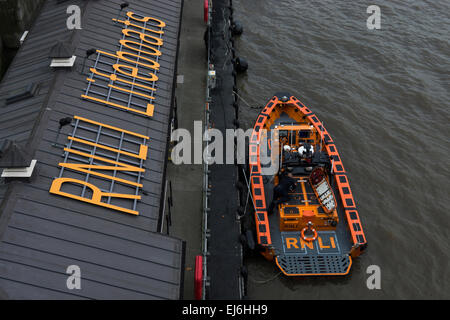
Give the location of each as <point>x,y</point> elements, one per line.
<point>281,152</point>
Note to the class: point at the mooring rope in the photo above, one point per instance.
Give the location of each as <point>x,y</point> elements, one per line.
<point>248,189</point>
<point>265,281</point>
<point>248,105</point>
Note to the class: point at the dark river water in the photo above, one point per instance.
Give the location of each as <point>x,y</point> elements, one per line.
<point>384,97</point>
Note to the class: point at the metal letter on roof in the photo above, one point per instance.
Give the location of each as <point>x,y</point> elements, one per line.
<point>126,43</point>
<point>160,23</point>
<point>126,79</point>
<point>103,165</point>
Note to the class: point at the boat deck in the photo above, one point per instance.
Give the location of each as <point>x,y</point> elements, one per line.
<point>341,236</point>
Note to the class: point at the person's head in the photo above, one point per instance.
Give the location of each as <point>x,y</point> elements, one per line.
<point>287,148</point>
<point>289,172</point>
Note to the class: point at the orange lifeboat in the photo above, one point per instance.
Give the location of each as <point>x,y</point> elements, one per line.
<point>314,226</point>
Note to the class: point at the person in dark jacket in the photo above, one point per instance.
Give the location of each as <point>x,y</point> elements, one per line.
<point>281,191</point>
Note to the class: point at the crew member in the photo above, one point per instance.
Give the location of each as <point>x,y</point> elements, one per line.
<point>281,191</point>
<point>306,150</point>
<point>286,152</point>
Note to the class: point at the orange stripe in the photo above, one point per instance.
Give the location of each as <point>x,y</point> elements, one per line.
<point>149,112</point>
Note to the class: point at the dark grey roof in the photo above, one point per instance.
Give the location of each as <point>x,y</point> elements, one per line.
<point>61,49</point>
<point>12,155</point>
<point>41,234</point>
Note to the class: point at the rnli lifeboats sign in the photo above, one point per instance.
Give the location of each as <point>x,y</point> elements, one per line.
<point>126,79</point>
<point>103,165</point>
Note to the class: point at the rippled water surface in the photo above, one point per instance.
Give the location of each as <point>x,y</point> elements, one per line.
<point>384,97</point>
